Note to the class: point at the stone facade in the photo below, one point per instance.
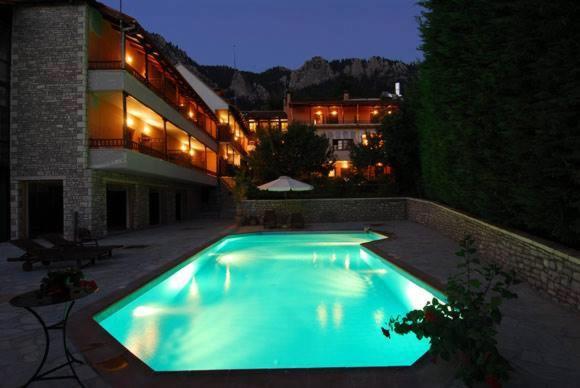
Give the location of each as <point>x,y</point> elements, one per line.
<point>330,210</point>
<point>549,268</point>
<point>48,133</point>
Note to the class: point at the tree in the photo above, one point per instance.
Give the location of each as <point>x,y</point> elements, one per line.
<point>299,152</point>
<point>498,118</point>
<point>368,154</point>
<point>401,144</point>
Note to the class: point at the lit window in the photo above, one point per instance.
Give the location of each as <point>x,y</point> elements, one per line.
<point>342,144</point>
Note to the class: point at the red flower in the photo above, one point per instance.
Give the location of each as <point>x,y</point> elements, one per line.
<point>492,381</point>
<point>88,284</point>
<point>430,316</point>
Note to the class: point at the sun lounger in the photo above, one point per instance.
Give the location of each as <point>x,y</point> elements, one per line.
<point>36,253</point>
<point>60,242</point>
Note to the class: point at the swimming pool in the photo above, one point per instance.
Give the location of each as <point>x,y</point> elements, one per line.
<point>272,301</point>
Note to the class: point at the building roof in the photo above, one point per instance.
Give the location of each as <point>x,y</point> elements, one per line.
<point>265,114</point>
<point>337,102</point>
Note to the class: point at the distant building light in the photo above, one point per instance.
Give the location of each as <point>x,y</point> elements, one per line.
<point>375,112</point>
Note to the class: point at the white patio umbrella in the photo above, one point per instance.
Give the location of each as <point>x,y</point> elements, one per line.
<point>285,183</point>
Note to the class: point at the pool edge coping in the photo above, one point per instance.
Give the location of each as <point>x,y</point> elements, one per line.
<point>98,346</point>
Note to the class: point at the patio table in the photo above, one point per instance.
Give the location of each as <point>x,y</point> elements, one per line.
<point>31,300</point>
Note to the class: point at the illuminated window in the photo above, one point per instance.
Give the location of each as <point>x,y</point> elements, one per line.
<point>342,144</point>
<point>252,124</point>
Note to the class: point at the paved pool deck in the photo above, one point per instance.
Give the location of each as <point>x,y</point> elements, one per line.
<point>540,337</point>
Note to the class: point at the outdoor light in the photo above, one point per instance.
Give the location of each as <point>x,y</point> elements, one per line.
<point>184,147</point>
<point>190,114</point>
<point>130,121</point>
<point>191,152</point>
<point>389,112</point>
<point>334,113</point>
<point>128,59</point>
<point>319,113</point>
<point>375,112</point>
<point>146,129</point>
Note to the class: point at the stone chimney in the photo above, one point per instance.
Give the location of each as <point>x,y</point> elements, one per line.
<point>345,95</point>
<point>287,99</point>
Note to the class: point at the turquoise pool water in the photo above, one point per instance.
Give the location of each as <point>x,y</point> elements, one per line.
<point>272,300</point>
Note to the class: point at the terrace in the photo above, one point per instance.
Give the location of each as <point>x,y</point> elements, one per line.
<point>539,336</point>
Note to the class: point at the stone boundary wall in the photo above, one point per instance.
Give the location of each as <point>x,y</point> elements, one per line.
<point>555,270</point>
<point>330,210</point>
<point>547,267</point>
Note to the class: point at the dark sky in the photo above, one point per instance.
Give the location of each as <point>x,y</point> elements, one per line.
<point>281,32</point>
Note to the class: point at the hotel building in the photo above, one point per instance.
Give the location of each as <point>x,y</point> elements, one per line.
<point>105,132</point>
<point>344,122</point>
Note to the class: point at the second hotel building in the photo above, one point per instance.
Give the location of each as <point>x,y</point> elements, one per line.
<point>100,138</point>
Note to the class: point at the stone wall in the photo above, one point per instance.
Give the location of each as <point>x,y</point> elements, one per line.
<point>550,268</point>
<point>330,210</point>
<point>555,270</point>
<point>48,134</point>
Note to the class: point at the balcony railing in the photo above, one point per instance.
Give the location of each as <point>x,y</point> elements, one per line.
<point>225,135</point>
<point>173,156</point>
<point>159,87</point>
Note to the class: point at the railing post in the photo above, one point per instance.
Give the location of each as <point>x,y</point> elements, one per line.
<point>125,132</point>
<point>165,138</point>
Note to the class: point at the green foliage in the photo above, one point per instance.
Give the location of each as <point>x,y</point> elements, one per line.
<point>498,117</point>
<point>466,326</point>
<point>299,152</point>
<point>401,143</point>
<point>369,154</point>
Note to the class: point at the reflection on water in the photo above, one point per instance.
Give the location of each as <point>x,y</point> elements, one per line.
<point>337,313</point>
<point>322,315</point>
<point>228,279</point>
<point>298,301</point>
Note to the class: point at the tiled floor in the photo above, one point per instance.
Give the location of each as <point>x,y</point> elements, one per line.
<point>540,337</point>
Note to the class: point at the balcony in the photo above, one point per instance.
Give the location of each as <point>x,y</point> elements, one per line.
<point>166,89</point>
<point>122,160</point>
<point>226,135</point>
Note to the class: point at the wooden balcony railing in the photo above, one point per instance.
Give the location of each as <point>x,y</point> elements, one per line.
<point>173,156</point>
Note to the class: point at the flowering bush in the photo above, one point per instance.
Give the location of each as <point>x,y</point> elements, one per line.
<point>466,326</point>
<point>61,283</point>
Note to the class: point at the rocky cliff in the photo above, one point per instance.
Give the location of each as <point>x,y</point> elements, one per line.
<point>317,78</point>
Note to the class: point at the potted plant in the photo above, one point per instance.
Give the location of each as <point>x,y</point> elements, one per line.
<point>465,327</point>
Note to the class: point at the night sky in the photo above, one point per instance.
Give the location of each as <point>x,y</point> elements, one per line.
<point>273,32</point>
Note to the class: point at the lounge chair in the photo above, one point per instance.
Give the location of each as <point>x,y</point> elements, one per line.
<point>296,221</point>
<point>60,242</point>
<point>36,253</point>
<point>85,236</point>
<point>270,220</point>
